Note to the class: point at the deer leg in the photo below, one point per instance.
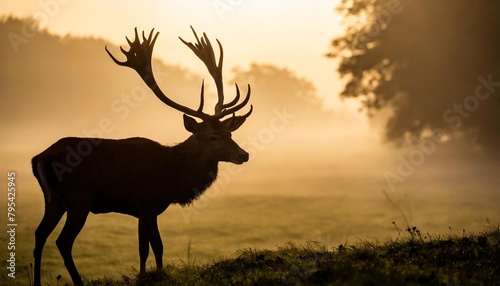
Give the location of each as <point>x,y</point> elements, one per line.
<point>54,210</point>
<point>143,244</point>
<point>156,244</point>
<point>149,233</point>
<point>74,223</point>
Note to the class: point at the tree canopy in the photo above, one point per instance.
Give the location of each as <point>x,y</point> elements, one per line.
<point>278,87</point>
<point>434,63</point>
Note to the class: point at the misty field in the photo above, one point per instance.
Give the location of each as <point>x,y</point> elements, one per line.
<point>413,260</point>
<point>261,212</point>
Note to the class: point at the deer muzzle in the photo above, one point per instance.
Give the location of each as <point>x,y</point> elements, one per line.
<point>240,157</point>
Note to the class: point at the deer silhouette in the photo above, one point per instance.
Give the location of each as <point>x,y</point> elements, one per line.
<point>137,176</point>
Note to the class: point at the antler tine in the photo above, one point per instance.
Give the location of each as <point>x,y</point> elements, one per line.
<point>139,55</point>
<point>205,52</point>
<point>139,58</point>
<point>248,113</point>
<point>202,96</point>
<point>235,108</point>
<point>234,101</point>
<point>220,93</point>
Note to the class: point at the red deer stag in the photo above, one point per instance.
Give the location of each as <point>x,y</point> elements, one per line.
<point>136,176</point>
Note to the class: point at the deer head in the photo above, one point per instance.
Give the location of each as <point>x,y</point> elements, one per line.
<point>213,132</point>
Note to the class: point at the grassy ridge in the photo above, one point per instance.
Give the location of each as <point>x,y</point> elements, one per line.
<point>472,259</point>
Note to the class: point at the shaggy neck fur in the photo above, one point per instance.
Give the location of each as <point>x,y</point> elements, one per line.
<point>195,172</point>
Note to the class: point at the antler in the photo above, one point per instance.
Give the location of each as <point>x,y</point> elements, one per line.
<point>139,59</point>
<point>204,50</point>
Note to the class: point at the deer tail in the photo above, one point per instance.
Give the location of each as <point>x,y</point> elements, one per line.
<point>39,173</point>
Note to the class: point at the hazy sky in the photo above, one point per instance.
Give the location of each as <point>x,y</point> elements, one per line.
<point>292,34</point>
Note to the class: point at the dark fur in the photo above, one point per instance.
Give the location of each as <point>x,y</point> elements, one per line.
<point>134,176</point>
<point>150,174</point>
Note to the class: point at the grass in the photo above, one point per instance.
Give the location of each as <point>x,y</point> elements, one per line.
<point>413,259</point>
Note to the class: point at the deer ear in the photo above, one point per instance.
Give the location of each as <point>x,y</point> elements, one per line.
<point>190,124</point>
<point>234,123</point>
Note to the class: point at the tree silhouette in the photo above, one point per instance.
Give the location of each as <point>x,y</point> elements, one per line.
<point>69,84</point>
<point>436,64</point>
<point>277,88</point>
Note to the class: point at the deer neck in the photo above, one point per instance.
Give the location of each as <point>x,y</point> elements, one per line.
<point>197,172</point>
<point>195,156</point>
